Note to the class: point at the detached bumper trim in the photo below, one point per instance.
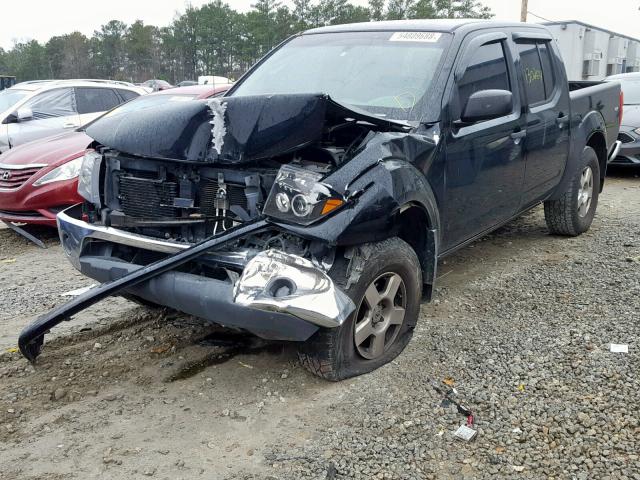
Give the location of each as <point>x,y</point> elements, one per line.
<point>615,150</point>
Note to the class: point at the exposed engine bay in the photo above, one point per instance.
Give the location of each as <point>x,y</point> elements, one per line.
<point>219,164</point>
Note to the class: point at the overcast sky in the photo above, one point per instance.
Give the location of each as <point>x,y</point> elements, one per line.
<point>42,19</point>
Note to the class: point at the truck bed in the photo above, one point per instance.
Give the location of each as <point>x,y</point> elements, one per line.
<point>603,97</point>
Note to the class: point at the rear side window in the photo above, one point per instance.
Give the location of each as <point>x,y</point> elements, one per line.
<point>93,100</point>
<point>537,71</point>
<point>127,94</point>
<point>59,102</point>
<point>487,71</point>
<point>548,73</point>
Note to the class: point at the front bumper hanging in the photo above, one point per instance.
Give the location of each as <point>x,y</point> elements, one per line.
<point>278,296</point>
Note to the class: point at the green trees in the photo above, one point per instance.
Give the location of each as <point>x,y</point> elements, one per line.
<point>213,39</point>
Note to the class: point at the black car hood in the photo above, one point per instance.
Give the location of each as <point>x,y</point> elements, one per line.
<point>228,130</point>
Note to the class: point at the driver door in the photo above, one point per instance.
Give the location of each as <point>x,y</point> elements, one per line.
<point>54,111</point>
<point>485,167</point>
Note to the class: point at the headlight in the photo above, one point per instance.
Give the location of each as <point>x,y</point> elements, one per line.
<point>64,172</point>
<point>89,178</point>
<point>298,196</point>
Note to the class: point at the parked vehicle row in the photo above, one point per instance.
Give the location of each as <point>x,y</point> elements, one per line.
<point>629,135</point>
<point>40,178</point>
<point>38,109</point>
<point>313,201</point>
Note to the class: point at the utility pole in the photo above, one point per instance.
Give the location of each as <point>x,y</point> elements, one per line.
<point>523,10</point>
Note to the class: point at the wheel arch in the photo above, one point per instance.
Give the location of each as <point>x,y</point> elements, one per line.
<point>418,226</point>
<point>598,142</point>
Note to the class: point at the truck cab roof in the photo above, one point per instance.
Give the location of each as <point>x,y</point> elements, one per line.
<point>432,25</point>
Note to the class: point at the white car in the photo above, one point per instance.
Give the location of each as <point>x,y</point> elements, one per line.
<point>37,109</point>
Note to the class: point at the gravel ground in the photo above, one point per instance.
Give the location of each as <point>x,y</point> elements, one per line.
<point>521,325</point>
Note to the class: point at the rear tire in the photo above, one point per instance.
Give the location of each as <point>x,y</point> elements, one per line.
<point>387,295</point>
<point>572,214</point>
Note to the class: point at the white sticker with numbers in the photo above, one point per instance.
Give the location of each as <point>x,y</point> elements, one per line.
<point>429,37</point>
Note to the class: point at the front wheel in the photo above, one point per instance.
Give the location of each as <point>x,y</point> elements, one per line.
<point>387,296</point>
<point>573,212</point>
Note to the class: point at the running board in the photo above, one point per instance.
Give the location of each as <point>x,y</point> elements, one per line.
<point>32,336</point>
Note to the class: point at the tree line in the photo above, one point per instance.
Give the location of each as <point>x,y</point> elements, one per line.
<point>213,39</point>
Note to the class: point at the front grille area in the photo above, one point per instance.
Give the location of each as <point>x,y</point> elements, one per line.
<point>142,195</point>
<point>209,190</point>
<point>146,198</point>
<point>625,137</point>
<point>13,179</point>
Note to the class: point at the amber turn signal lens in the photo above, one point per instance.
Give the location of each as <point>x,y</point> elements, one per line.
<point>330,205</point>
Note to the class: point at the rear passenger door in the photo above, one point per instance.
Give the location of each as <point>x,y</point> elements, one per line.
<point>484,161</point>
<point>94,101</point>
<point>547,115</point>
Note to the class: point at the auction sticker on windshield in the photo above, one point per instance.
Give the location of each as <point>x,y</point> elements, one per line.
<point>429,37</point>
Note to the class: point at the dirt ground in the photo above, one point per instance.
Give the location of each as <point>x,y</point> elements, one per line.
<point>125,392</point>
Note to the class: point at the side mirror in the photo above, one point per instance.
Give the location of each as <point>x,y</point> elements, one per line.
<point>24,114</point>
<point>487,104</point>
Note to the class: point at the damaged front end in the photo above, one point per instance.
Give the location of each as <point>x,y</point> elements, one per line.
<point>235,210</point>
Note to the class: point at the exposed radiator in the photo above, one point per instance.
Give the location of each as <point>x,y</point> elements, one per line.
<point>146,198</point>
<point>143,196</point>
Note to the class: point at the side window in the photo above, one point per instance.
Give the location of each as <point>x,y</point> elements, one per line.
<point>487,71</point>
<point>53,103</point>
<point>532,72</point>
<point>548,72</point>
<point>93,100</point>
<point>537,71</point>
<point>127,94</point>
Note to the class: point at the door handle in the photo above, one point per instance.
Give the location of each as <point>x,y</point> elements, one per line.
<point>518,135</point>
<point>562,120</point>
<point>70,125</point>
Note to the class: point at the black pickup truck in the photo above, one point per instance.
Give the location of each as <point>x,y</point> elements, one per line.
<point>313,201</point>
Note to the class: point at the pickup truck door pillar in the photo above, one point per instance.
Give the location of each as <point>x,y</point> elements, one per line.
<point>547,114</point>
<point>484,169</point>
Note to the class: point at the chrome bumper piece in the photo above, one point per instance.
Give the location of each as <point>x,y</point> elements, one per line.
<point>281,282</point>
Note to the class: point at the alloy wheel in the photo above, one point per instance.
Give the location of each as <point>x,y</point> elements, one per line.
<point>585,193</point>
<point>380,315</point>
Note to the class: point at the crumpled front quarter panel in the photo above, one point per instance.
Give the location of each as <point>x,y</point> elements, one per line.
<point>386,175</point>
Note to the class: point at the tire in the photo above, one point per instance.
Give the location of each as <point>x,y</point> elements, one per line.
<point>571,215</point>
<point>332,353</point>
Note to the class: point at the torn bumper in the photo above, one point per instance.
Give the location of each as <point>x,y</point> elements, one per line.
<point>279,296</point>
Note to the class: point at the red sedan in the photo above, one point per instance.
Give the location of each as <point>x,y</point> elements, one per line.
<point>39,179</point>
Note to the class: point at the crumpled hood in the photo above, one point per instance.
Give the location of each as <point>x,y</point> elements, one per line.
<point>227,130</point>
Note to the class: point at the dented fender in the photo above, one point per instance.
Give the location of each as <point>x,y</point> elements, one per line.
<point>384,179</point>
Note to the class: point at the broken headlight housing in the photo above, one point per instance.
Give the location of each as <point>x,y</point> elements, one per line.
<point>298,196</point>
<point>89,177</point>
<point>66,171</point>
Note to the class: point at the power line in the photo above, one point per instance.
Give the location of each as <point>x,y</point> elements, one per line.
<point>538,16</point>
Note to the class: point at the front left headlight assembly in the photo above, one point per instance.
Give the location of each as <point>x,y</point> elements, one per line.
<point>298,196</point>
<point>66,171</point>
<point>89,177</point>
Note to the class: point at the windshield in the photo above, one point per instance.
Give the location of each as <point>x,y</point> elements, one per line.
<point>631,91</point>
<point>385,73</point>
<point>141,103</point>
<point>8,98</point>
